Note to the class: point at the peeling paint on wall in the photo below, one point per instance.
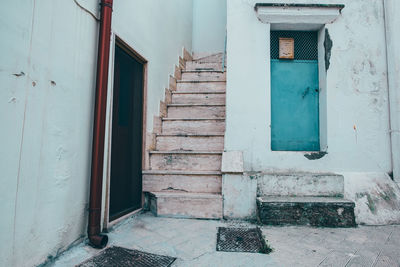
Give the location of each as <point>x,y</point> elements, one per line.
<point>328,48</point>
<point>315,155</point>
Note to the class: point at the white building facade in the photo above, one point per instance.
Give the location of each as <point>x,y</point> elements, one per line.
<point>47,70</point>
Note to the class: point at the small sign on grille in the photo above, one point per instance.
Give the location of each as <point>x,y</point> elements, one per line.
<point>286,48</point>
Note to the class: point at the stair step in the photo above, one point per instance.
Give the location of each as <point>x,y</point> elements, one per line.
<point>193,126</point>
<point>186,205</point>
<point>314,211</point>
<point>195,111</point>
<point>195,142</point>
<point>200,86</point>
<point>208,57</point>
<point>300,184</point>
<point>203,76</point>
<point>196,98</point>
<point>186,160</point>
<point>189,181</point>
<point>207,66</point>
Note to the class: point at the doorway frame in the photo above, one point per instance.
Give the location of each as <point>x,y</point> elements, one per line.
<point>117,40</point>
<point>322,83</point>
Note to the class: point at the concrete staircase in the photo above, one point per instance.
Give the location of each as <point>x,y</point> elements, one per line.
<point>184,172</point>
<point>303,199</point>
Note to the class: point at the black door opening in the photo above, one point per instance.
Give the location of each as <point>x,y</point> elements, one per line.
<point>126,143</point>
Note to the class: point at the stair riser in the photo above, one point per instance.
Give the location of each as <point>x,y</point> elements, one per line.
<point>203,76</point>
<point>201,86</point>
<point>314,214</point>
<point>193,65</point>
<point>210,99</point>
<point>193,127</point>
<point>186,162</point>
<point>183,183</point>
<point>212,143</point>
<point>196,112</point>
<point>186,207</point>
<point>300,185</point>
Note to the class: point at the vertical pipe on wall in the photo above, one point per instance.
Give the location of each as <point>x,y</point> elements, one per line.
<point>96,239</point>
<point>392,34</point>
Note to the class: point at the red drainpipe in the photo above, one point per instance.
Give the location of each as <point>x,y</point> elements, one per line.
<point>96,181</point>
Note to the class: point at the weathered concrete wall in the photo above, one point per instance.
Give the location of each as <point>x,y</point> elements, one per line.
<point>392,23</point>
<point>357,102</point>
<point>354,107</point>
<point>47,71</point>
<point>376,196</point>
<point>157,30</point>
<point>209,25</point>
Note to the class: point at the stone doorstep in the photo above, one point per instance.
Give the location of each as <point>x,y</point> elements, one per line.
<point>300,184</point>
<point>196,111</point>
<point>182,181</point>
<point>200,86</point>
<point>186,160</point>
<point>313,211</point>
<point>203,76</point>
<point>215,98</point>
<point>185,127</point>
<point>190,143</point>
<point>186,205</point>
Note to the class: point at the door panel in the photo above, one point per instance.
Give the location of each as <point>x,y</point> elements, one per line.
<point>294,105</point>
<point>126,143</point>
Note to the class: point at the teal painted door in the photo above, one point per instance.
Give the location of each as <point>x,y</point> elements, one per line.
<point>294,105</point>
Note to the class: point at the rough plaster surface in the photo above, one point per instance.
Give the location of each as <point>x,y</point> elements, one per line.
<point>209,33</point>
<point>376,196</point>
<point>47,72</point>
<point>299,184</point>
<point>357,124</point>
<point>239,194</point>
<point>392,24</point>
<point>232,162</point>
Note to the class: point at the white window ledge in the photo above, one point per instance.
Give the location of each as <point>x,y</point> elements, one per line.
<point>306,14</point>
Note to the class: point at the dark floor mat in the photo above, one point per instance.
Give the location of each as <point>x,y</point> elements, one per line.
<point>241,240</point>
<point>122,257</point>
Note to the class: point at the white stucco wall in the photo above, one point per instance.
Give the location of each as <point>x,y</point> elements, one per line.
<point>392,8</point>
<point>47,71</point>
<point>209,25</point>
<point>357,124</point>
<point>157,30</point>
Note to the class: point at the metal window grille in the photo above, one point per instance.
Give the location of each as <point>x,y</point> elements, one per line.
<point>305,44</point>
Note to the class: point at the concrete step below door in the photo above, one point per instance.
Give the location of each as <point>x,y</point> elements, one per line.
<point>185,161</point>
<point>211,98</point>
<point>193,126</point>
<point>190,143</point>
<point>182,181</point>
<point>193,86</point>
<point>195,111</point>
<point>203,76</point>
<point>313,211</point>
<point>300,184</point>
<point>186,205</point>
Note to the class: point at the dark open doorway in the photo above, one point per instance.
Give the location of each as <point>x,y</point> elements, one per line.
<point>127,135</point>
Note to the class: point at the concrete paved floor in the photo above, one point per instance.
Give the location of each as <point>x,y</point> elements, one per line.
<point>193,242</point>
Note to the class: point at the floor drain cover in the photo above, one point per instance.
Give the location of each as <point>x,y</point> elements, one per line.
<point>122,257</point>
<point>241,240</point>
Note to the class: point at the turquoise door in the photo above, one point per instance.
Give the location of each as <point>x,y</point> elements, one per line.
<point>294,105</point>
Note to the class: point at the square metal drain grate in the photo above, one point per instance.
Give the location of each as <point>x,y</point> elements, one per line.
<point>123,257</point>
<point>241,240</point>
